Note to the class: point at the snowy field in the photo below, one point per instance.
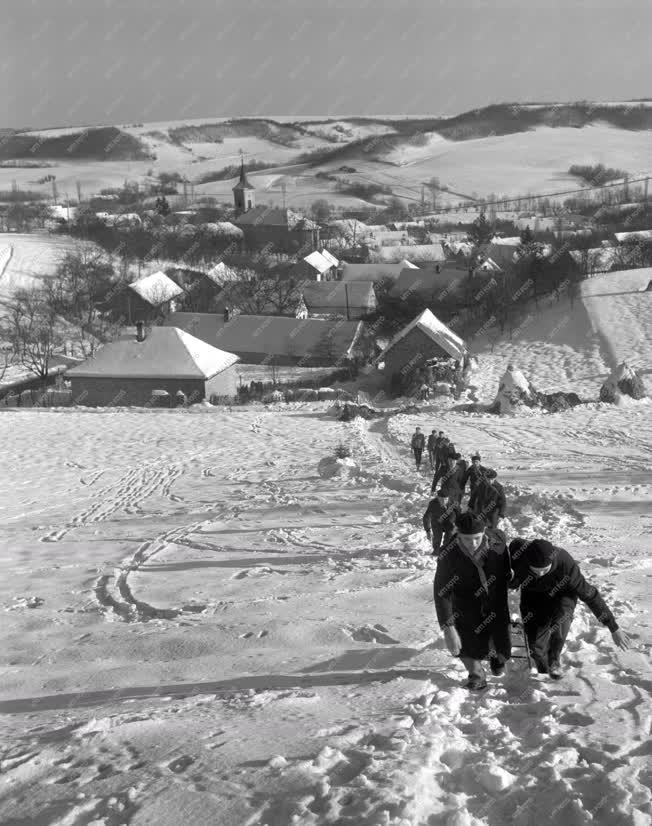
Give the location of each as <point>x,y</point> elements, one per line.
<point>536,161</point>
<point>198,628</point>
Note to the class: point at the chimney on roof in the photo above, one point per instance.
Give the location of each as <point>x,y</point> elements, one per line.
<point>140,331</point>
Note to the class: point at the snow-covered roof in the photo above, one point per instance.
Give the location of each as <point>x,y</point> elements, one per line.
<point>436,330</point>
<point>221,273</point>
<point>166,352</point>
<point>156,288</point>
<point>513,241</point>
<point>329,257</point>
<point>416,253</point>
<point>374,272</point>
<point>318,262</point>
<point>223,228</point>
<point>638,235</point>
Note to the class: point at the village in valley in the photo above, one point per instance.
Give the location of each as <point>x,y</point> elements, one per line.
<point>217,591</point>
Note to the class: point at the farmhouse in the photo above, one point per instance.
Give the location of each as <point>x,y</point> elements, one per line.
<point>316,267</point>
<point>502,250</point>
<point>374,272</point>
<point>200,290</point>
<point>148,299</point>
<point>424,338</point>
<point>260,339</point>
<point>135,368</point>
<point>336,298</point>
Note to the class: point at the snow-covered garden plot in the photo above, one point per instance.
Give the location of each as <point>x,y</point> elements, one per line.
<point>28,258</point>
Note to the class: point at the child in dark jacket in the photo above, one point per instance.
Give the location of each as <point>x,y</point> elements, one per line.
<point>551,583</point>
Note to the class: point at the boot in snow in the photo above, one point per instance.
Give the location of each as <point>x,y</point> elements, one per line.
<point>554,669</point>
<point>497,667</point>
<point>476,682</point>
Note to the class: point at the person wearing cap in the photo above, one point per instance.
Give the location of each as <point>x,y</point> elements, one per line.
<point>551,584</point>
<point>439,520</point>
<point>451,477</point>
<point>470,592</point>
<point>488,498</point>
<point>417,445</point>
<point>474,474</point>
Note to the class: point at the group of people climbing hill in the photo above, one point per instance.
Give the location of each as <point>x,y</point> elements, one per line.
<point>476,568</point>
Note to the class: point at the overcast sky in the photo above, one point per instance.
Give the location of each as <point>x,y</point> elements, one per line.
<point>79,62</point>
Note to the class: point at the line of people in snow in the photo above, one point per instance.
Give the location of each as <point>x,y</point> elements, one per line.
<point>476,568</point>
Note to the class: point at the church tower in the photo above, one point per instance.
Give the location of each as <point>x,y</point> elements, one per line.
<point>244,194</point>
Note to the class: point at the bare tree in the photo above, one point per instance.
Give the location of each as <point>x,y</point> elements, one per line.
<point>33,329</point>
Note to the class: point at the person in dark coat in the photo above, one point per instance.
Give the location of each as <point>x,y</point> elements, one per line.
<point>441,450</point>
<point>451,477</point>
<point>551,583</point>
<point>439,520</point>
<point>488,499</point>
<point>474,474</point>
<point>470,591</point>
<point>417,445</point>
<point>432,446</point>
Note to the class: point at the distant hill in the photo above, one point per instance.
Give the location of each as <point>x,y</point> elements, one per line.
<point>104,143</point>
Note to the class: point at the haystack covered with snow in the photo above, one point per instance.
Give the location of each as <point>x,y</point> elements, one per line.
<point>514,392</point>
<point>623,381</point>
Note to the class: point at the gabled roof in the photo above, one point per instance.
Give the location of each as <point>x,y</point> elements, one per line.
<point>223,229</point>
<point>318,262</point>
<point>267,216</point>
<point>243,182</point>
<point>156,288</point>
<point>166,352</point>
<point>329,257</point>
<point>272,335</point>
<point>324,297</point>
<point>374,272</point>
<point>221,273</point>
<point>428,323</point>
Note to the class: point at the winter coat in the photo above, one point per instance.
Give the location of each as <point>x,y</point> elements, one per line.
<point>418,441</point>
<point>442,449</point>
<point>473,476</point>
<point>480,614</point>
<point>540,596</point>
<point>452,479</point>
<point>432,443</point>
<point>438,515</point>
<point>487,498</point>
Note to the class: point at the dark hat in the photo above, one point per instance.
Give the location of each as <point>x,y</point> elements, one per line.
<point>539,553</point>
<point>470,523</point>
<point>476,456</point>
<point>452,455</point>
<point>490,473</point>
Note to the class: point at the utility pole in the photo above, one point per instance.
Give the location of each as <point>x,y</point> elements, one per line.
<point>346,294</point>
<point>185,192</point>
<point>79,193</point>
<point>54,191</point>
<point>647,181</point>
<point>423,198</point>
<point>283,188</point>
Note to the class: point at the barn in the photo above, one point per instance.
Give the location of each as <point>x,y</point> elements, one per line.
<point>136,368</point>
<point>424,338</point>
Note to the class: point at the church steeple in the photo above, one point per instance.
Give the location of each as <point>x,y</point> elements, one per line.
<point>243,192</point>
